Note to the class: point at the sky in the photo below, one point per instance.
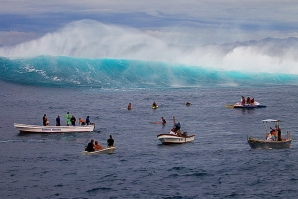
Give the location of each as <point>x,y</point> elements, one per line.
<point>208,21</point>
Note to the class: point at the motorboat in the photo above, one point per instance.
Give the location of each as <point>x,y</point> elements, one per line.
<point>25,128</point>
<point>102,151</point>
<point>246,106</point>
<point>175,139</point>
<point>273,138</point>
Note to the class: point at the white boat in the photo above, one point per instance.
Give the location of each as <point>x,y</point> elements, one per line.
<point>268,143</point>
<point>25,128</point>
<point>175,139</point>
<point>105,150</point>
<point>246,106</point>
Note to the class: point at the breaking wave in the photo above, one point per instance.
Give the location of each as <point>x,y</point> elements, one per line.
<point>91,54</point>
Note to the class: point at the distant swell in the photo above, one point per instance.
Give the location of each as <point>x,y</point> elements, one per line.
<point>63,71</point>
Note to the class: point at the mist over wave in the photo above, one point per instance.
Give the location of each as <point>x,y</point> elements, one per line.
<point>92,39</point>
<point>89,53</point>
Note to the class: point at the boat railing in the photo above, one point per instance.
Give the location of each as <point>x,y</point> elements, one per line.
<point>289,136</point>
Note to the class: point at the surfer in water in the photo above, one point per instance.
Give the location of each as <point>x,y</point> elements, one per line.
<point>129,106</point>
<point>163,121</point>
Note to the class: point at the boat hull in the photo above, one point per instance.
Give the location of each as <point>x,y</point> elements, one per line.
<point>174,139</point>
<point>246,106</point>
<point>103,151</point>
<point>24,128</point>
<point>263,144</point>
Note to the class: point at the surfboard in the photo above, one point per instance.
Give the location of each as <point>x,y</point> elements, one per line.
<point>154,107</point>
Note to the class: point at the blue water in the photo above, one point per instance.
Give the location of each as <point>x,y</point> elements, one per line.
<point>63,71</point>
<point>218,164</point>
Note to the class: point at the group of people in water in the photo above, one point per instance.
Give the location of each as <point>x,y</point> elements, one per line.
<point>154,104</point>
<point>248,101</point>
<point>177,126</point>
<point>94,146</point>
<point>70,120</point>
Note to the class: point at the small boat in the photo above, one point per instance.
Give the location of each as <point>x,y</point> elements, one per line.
<point>25,128</point>
<point>246,106</point>
<point>102,151</point>
<point>154,107</point>
<point>175,139</point>
<point>278,143</point>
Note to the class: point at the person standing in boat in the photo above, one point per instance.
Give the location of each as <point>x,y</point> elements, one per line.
<point>73,120</point>
<point>177,126</point>
<point>129,106</point>
<point>110,141</point>
<point>88,120</point>
<point>45,121</point>
<point>58,121</point>
<point>90,146</point>
<point>67,119</point>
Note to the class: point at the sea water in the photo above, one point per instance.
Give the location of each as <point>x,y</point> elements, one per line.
<point>218,164</point>
<point>89,68</point>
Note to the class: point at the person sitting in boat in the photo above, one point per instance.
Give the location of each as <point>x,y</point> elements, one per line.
<point>188,103</point>
<point>154,104</point>
<point>248,100</point>
<point>90,146</point>
<point>269,137</point>
<point>97,146</point>
<point>163,121</point>
<point>252,101</point>
<point>273,133</point>
<point>172,132</point>
<point>242,100</point>
<point>81,121</point>
<point>129,106</point>
<point>110,141</point>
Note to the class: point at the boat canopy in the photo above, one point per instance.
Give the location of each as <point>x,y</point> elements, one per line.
<point>271,120</point>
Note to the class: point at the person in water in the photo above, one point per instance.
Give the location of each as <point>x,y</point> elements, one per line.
<point>163,121</point>
<point>188,103</point>
<point>129,106</point>
<point>58,121</point>
<point>110,141</point>
<point>90,146</point>
<point>67,119</point>
<point>154,104</point>
<point>97,146</point>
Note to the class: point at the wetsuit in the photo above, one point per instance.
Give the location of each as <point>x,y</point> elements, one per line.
<point>90,147</point>
<point>110,142</point>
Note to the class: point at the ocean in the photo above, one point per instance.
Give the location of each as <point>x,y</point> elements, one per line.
<point>218,164</point>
